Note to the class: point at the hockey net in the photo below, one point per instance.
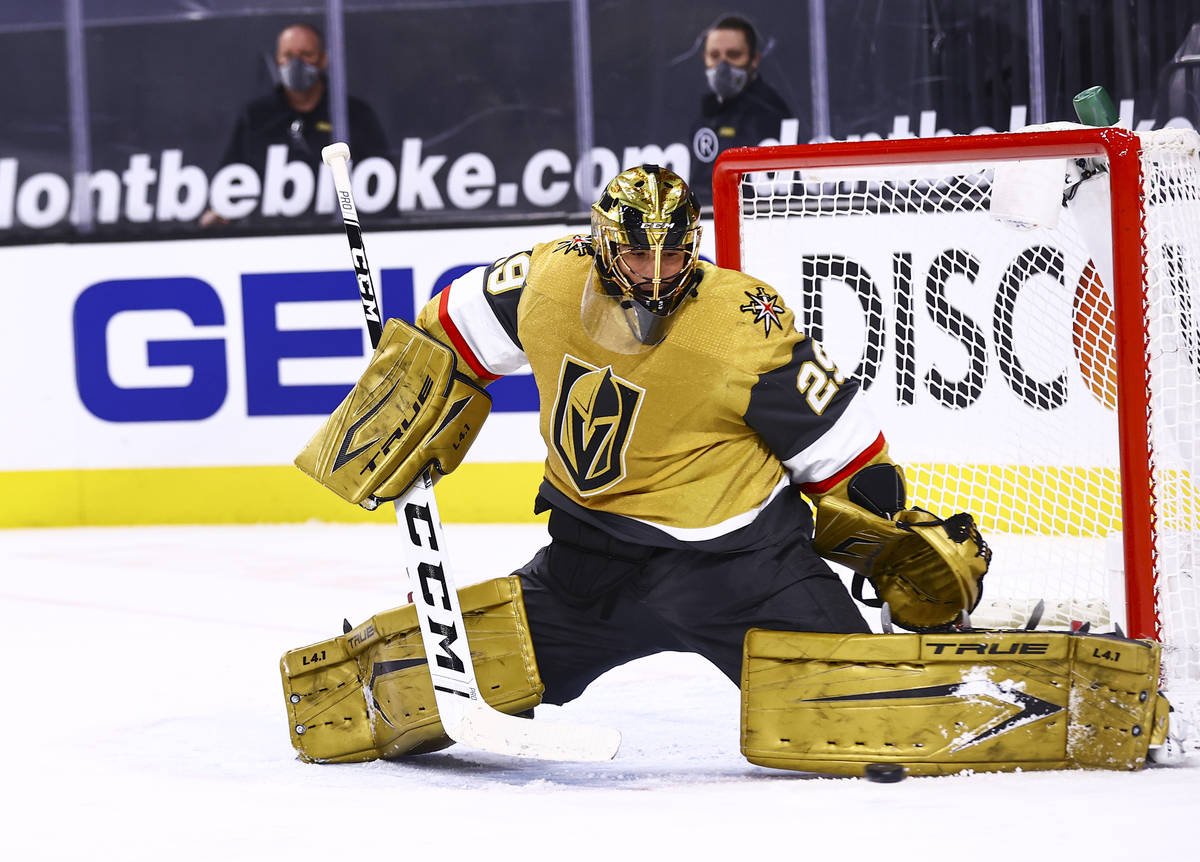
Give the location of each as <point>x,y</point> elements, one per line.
<point>1022,311</point>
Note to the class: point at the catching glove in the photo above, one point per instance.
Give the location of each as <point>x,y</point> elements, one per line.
<point>926,568</point>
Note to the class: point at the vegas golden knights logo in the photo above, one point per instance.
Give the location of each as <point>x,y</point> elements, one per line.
<point>594,415</point>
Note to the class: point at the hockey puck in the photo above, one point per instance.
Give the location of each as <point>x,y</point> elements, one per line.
<point>885,773</point>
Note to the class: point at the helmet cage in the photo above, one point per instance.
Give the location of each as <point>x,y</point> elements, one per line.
<point>659,288</point>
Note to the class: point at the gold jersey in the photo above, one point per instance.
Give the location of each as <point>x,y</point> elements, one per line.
<point>696,441</point>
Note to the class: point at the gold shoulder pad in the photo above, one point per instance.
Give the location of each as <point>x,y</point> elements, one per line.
<point>407,412</point>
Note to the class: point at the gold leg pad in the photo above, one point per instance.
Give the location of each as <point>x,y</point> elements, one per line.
<point>367,694</point>
<point>940,704</point>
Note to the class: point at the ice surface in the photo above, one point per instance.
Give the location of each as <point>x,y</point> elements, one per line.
<point>144,719</point>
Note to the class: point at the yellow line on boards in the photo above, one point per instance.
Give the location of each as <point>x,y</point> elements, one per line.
<point>1019,500</point>
<point>476,493</point>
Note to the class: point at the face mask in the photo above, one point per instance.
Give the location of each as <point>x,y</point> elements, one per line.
<point>297,75</point>
<point>726,80</point>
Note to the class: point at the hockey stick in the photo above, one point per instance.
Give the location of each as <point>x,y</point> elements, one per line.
<point>466,717</point>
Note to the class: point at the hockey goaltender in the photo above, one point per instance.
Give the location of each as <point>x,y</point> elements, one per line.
<point>686,421</point>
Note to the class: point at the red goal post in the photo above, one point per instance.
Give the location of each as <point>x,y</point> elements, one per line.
<point>1001,341</point>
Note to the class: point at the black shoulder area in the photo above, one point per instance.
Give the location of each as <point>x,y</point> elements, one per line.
<point>795,403</point>
<point>266,104</point>
<point>359,108</point>
<point>770,97</point>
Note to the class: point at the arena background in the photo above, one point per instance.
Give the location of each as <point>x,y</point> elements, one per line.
<point>157,372</point>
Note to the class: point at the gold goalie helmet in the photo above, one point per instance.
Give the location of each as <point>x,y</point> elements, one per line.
<point>646,238</point>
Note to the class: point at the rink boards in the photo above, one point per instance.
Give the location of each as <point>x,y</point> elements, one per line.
<point>173,382</point>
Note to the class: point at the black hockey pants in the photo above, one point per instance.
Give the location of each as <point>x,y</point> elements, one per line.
<point>595,602</point>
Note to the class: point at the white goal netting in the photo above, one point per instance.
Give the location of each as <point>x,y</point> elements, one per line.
<point>989,349</point>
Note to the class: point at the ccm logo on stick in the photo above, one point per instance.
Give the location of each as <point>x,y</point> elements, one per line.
<point>431,579</point>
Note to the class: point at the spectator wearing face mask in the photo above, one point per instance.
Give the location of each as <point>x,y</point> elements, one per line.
<point>740,109</point>
<point>296,112</point>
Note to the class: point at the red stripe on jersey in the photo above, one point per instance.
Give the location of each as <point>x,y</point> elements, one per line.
<point>849,470</point>
<point>458,342</point>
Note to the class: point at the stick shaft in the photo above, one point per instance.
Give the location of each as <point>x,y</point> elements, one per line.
<point>336,156</point>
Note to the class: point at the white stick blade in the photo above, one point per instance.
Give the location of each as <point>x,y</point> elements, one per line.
<point>480,726</point>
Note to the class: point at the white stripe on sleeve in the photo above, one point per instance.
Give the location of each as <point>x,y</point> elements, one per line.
<point>477,324</point>
<point>855,430</point>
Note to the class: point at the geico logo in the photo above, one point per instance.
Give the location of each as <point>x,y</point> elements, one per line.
<point>954,325</point>
<point>978,648</point>
<point>183,366</point>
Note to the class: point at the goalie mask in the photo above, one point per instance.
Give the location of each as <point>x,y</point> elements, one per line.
<point>646,238</point>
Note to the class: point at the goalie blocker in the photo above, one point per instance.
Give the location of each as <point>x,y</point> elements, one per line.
<point>408,411</point>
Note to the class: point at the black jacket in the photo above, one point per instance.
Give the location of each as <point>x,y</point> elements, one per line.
<point>271,120</point>
<point>743,121</point>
